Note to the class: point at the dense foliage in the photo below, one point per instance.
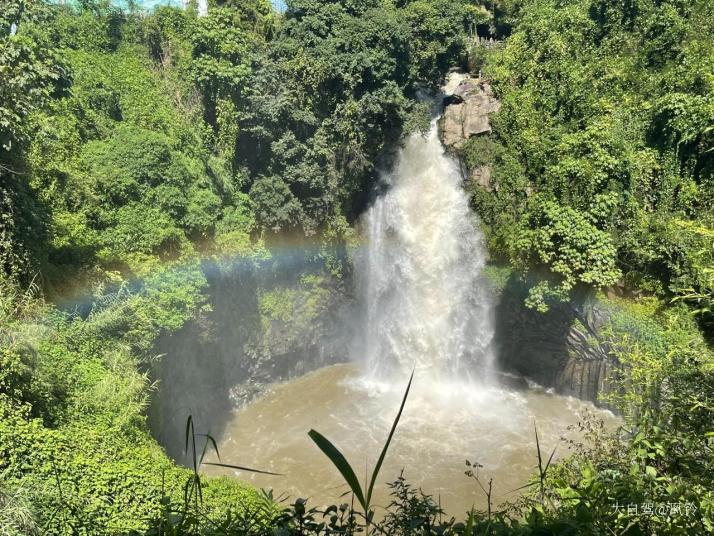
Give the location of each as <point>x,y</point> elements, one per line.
<point>605,145</point>
<point>137,148</point>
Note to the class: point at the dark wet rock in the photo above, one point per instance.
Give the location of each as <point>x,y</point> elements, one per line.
<point>226,357</point>
<point>563,348</point>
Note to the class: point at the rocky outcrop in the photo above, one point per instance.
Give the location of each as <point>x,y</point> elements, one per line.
<point>563,348</point>
<point>466,112</point>
<point>264,324</point>
<point>482,177</point>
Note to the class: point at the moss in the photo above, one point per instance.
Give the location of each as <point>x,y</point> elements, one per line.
<point>655,326</point>
<point>277,304</point>
<point>316,295</point>
<point>296,308</point>
<point>480,151</point>
<point>497,276</point>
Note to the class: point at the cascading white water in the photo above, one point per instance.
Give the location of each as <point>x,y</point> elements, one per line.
<point>424,304</point>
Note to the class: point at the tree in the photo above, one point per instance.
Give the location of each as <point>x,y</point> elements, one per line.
<point>569,246</point>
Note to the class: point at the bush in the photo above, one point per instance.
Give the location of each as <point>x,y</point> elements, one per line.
<point>570,246</point>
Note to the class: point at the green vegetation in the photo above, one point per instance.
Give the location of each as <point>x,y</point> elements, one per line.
<point>345,469</point>
<point>73,434</point>
<point>664,454</point>
<point>134,148</point>
<point>604,145</point>
<point>602,177</point>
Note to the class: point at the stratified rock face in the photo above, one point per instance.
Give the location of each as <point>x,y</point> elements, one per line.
<point>466,112</point>
<point>563,348</point>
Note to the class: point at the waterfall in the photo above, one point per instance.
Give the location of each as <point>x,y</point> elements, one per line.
<point>423,302</point>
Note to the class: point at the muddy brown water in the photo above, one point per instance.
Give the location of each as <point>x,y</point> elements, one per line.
<point>442,426</point>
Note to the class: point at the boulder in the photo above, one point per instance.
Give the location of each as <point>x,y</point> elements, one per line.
<point>466,112</point>
<point>482,177</point>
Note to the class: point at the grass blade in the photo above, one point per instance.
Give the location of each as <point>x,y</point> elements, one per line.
<point>540,459</point>
<point>189,426</point>
<point>209,439</point>
<point>524,486</point>
<point>549,460</point>
<point>470,523</point>
<point>377,467</point>
<point>339,461</point>
<point>241,468</point>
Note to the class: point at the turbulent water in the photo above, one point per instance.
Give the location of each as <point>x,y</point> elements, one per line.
<point>424,306</point>
<point>443,424</point>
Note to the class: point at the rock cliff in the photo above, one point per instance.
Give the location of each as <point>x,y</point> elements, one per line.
<point>263,325</point>
<point>466,112</point>
<point>564,348</point>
